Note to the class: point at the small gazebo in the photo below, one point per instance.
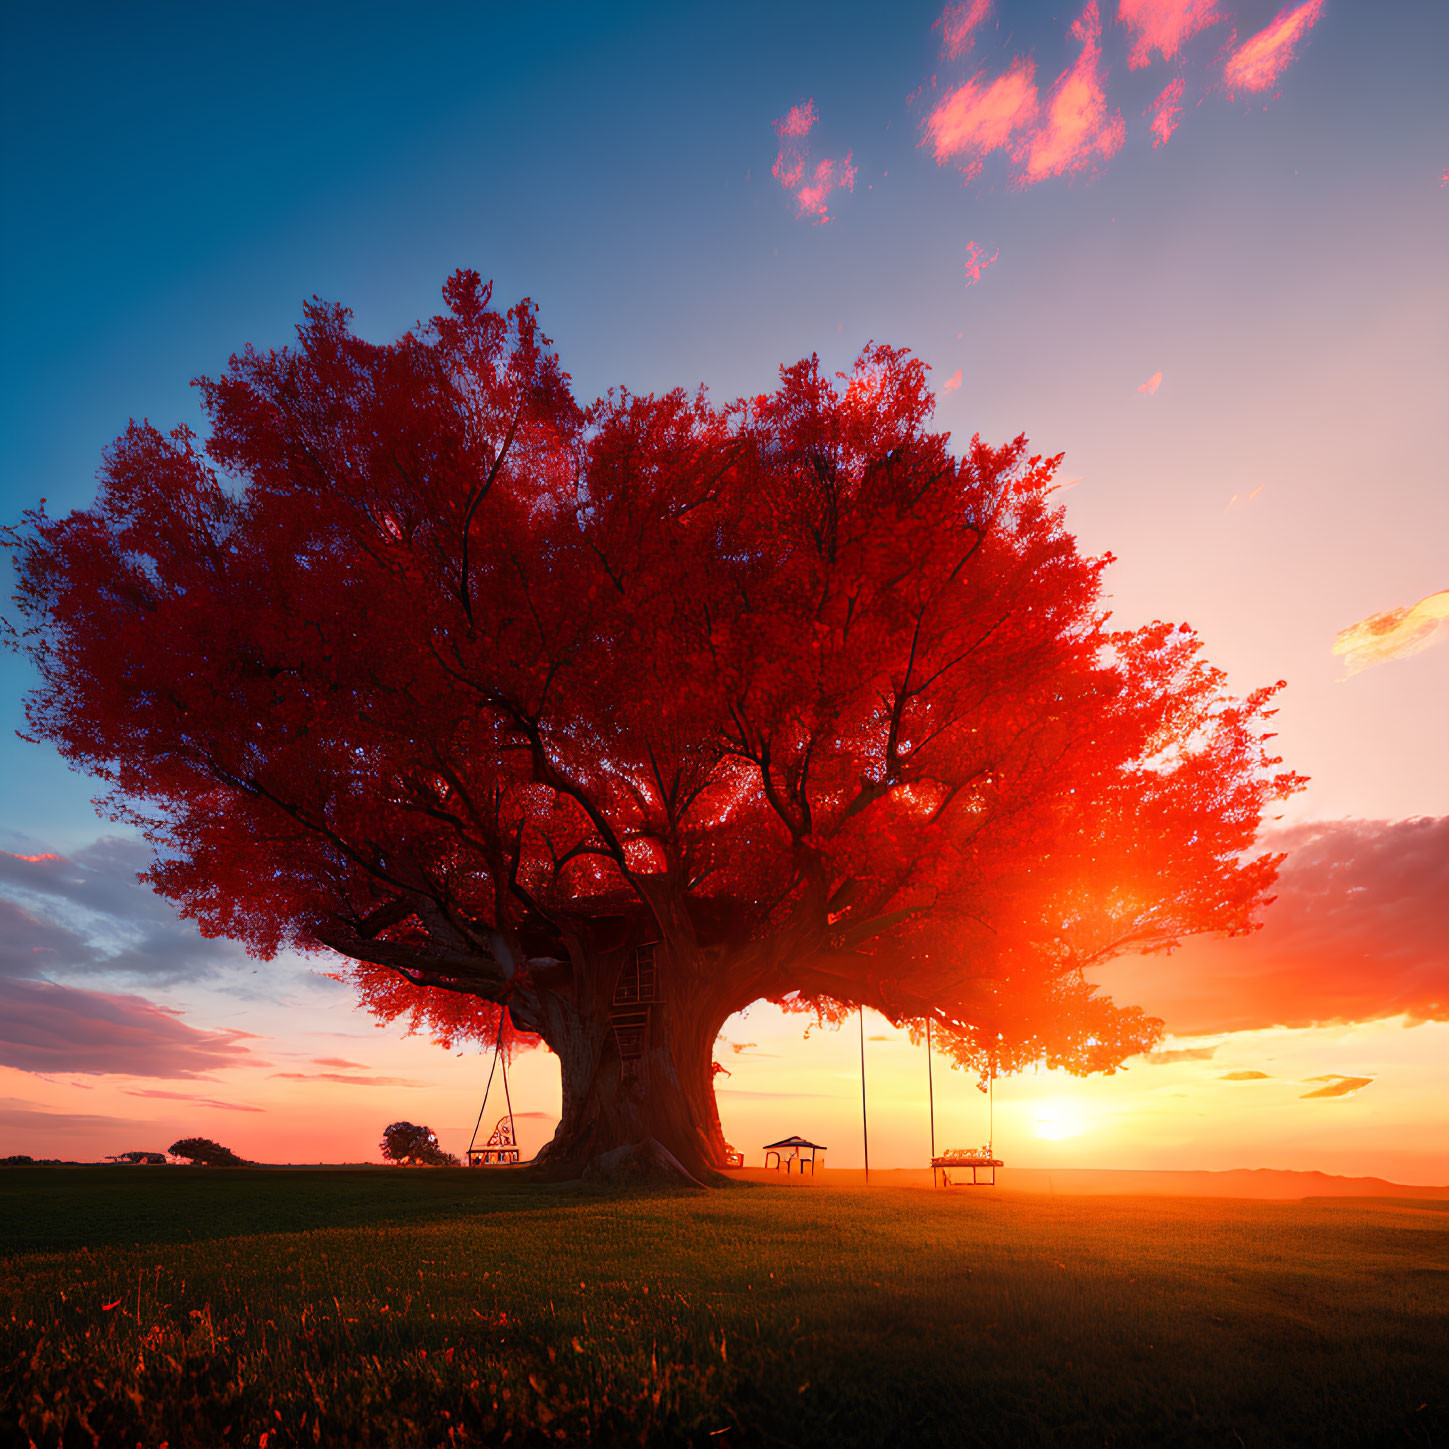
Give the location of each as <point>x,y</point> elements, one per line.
<point>791,1152</point>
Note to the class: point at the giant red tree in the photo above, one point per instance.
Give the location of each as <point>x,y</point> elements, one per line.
<point>622,719</point>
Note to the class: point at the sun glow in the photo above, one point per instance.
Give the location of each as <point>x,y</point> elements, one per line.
<point>1059,1117</point>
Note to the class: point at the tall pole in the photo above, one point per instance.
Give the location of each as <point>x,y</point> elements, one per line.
<point>864,1128</point>
<point>931,1087</point>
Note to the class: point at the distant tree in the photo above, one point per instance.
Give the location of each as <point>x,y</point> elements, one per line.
<point>206,1152</point>
<point>609,722</point>
<point>404,1142</point>
<point>148,1158</point>
<point>18,1160</point>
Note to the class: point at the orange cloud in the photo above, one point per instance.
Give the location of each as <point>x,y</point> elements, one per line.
<point>1245,1077</point>
<point>1165,112</point>
<point>1338,1086</point>
<point>977,262</point>
<point>1394,634</point>
<point>958,24</point>
<point>952,382</point>
<point>1164,26</point>
<point>1079,125</point>
<point>1185,1054</point>
<point>1258,62</point>
<point>1151,385</point>
<point>1357,933</point>
<point>976,118</point>
<point>792,169</point>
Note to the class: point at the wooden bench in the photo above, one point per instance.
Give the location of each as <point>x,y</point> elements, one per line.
<point>957,1160</point>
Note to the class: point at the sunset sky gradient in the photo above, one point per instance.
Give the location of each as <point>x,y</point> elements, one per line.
<point>1196,245</point>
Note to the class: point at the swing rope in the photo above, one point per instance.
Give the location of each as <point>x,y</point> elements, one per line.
<point>931,1086</point>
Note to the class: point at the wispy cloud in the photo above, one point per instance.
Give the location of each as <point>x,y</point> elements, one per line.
<point>1165,112</point>
<point>977,262</point>
<point>1256,64</point>
<point>1338,1086</point>
<point>1182,1054</point>
<point>1081,128</point>
<point>952,382</point>
<point>1394,634</point>
<point>340,1062</point>
<point>350,1079</point>
<point>1151,385</point>
<point>811,182</point>
<point>49,1028</point>
<point>1245,1077</point>
<point>188,1097</point>
<point>1164,26</point>
<point>958,25</point>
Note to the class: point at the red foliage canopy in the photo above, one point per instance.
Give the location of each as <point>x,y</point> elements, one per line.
<point>468,685</point>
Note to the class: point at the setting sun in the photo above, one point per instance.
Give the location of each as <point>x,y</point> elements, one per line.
<point>1058,1118</point>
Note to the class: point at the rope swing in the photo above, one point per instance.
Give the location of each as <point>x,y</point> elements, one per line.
<point>502,1146</point>
<point>864,1126</point>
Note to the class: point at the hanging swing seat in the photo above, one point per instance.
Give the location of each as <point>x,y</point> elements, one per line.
<point>500,1149</point>
<point>948,1170</point>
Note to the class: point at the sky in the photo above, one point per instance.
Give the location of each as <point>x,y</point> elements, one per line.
<point>1195,245</point>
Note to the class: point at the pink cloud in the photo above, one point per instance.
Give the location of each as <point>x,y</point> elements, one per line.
<point>1356,933</point>
<point>977,262</point>
<point>1164,26</point>
<point>792,128</point>
<point>978,118</point>
<point>958,24</point>
<point>952,382</point>
<point>187,1097</point>
<point>813,199</point>
<point>1165,112</point>
<point>1151,385</point>
<point>1079,126</point>
<point>792,168</point>
<point>797,121</point>
<point>50,1028</point>
<point>349,1079</point>
<point>1258,62</point>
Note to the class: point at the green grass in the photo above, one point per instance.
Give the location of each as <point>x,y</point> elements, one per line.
<point>439,1307</point>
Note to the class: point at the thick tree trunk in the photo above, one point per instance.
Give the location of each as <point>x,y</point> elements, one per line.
<point>635,1072</point>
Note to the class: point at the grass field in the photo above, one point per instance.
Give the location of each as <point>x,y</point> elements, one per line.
<point>279,1307</point>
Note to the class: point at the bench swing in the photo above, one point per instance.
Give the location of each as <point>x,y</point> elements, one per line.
<point>957,1159</point>
<point>501,1149</point>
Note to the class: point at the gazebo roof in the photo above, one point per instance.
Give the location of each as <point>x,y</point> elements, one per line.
<point>793,1142</point>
